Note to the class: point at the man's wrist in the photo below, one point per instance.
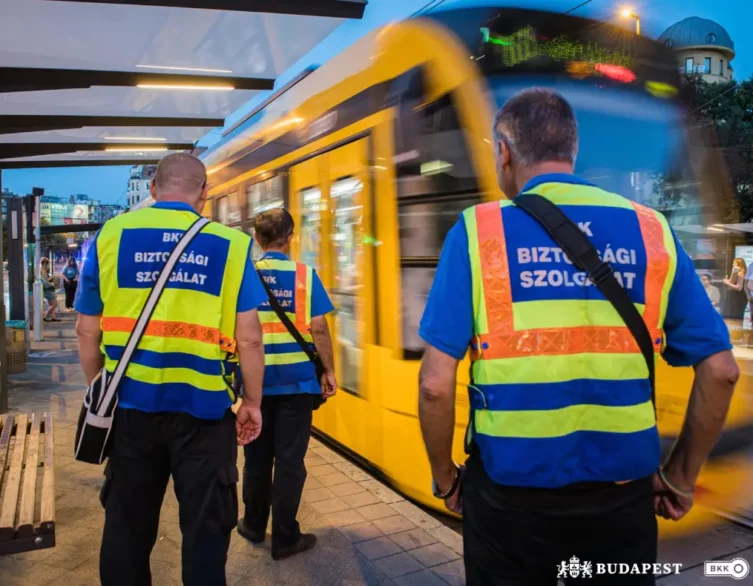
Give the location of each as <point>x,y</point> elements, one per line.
<point>677,477</point>
<point>445,477</point>
<point>251,401</point>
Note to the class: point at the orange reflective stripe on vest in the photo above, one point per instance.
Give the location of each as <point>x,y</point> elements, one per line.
<point>494,267</point>
<point>502,341</point>
<point>279,328</point>
<point>301,296</point>
<point>657,264</point>
<point>171,329</point>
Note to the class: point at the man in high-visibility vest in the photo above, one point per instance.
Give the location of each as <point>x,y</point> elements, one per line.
<point>564,450</point>
<point>290,388</point>
<point>173,416</point>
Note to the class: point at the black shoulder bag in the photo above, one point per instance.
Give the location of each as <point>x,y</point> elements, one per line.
<point>585,257</point>
<point>312,354</point>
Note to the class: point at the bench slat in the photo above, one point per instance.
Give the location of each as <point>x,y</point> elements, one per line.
<point>29,491</point>
<point>10,500</point>
<point>48,479</point>
<point>7,425</point>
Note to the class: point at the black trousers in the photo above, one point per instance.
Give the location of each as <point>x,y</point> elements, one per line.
<point>518,536</point>
<point>201,455</point>
<point>70,293</point>
<point>284,439</point>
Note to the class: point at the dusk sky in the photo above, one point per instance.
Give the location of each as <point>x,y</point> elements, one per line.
<point>109,184</point>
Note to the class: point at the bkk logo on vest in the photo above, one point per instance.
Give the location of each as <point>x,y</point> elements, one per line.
<point>144,251</point>
<point>284,296</point>
<point>578,569</point>
<point>546,272</point>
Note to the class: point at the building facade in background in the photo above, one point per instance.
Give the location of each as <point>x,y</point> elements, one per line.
<point>138,184</point>
<point>703,47</point>
<point>103,212</point>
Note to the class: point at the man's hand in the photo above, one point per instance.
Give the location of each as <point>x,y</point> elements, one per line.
<point>667,503</point>
<point>454,503</point>
<point>329,385</point>
<point>248,422</point>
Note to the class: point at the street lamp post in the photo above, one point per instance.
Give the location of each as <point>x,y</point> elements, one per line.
<point>628,13</point>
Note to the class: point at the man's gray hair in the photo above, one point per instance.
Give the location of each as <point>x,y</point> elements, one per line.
<point>180,173</point>
<point>539,126</point>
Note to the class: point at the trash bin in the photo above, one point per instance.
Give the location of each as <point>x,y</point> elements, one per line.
<point>15,346</point>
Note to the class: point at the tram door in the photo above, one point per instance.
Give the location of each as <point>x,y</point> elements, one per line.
<point>331,201</point>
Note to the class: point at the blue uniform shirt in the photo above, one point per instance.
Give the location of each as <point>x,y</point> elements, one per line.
<point>320,305</point>
<point>694,330</point>
<point>89,300</point>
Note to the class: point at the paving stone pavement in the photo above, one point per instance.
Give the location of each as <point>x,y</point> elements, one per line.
<point>368,534</point>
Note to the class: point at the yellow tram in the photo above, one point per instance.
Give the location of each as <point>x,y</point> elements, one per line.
<point>377,152</point>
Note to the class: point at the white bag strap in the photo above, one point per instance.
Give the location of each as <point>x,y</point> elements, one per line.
<point>146,312</point>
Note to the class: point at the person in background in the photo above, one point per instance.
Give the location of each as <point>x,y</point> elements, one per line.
<point>49,290</point>
<point>736,298</point>
<point>173,417</point>
<point>563,443</point>
<point>70,282</point>
<point>713,292</point>
<point>290,386</point>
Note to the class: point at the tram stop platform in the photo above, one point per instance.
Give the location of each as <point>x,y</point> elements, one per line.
<point>367,533</point>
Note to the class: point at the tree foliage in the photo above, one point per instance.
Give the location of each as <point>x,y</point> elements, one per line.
<point>725,113</point>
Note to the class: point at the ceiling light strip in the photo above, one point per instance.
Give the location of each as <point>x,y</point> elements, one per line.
<point>160,86</point>
<point>171,68</point>
<point>136,138</point>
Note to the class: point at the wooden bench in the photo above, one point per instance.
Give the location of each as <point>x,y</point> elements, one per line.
<point>27,483</point>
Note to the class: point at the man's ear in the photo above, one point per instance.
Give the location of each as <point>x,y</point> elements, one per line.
<point>153,189</point>
<point>505,154</point>
<point>201,204</point>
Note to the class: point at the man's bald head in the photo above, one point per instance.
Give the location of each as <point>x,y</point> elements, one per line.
<point>180,177</point>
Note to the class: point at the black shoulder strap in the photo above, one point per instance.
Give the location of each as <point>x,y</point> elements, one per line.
<point>585,257</point>
<point>277,308</point>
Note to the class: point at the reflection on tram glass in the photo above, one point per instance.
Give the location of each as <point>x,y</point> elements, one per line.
<point>311,218</point>
<point>348,253</point>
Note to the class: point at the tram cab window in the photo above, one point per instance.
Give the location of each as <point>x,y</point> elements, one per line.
<point>311,219</point>
<point>260,197</point>
<point>348,256</point>
<point>435,183</point>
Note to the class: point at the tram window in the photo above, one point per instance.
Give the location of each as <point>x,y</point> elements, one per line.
<point>264,195</point>
<point>228,209</point>
<point>431,155</point>
<point>436,181</point>
<point>222,210</point>
<point>347,210</point>
<point>311,220</point>
<point>416,284</point>
<point>423,224</point>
